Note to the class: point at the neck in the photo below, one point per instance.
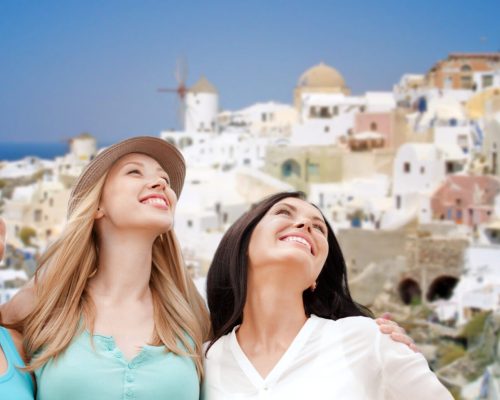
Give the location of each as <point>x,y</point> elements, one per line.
<point>273,313</point>
<point>124,267</point>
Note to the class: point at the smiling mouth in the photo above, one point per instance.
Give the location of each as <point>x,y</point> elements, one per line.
<point>299,240</point>
<point>156,202</point>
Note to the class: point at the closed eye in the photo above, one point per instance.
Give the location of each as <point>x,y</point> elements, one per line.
<point>319,228</point>
<point>167,179</point>
<point>283,211</point>
<point>134,171</point>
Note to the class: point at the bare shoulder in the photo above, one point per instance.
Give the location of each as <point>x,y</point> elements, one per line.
<point>2,237</point>
<point>20,305</point>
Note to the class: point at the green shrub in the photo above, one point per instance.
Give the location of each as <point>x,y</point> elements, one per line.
<point>26,234</point>
<point>449,352</point>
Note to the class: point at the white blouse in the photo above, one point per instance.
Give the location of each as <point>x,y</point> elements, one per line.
<point>344,359</point>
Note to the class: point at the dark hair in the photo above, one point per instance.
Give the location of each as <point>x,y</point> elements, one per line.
<point>227,276</point>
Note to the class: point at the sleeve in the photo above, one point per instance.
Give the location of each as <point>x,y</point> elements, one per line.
<point>406,374</point>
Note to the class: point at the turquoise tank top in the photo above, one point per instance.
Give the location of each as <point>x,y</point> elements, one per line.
<point>100,371</point>
<point>14,384</point>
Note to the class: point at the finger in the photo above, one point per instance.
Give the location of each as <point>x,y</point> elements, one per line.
<point>382,321</point>
<point>387,328</point>
<point>386,315</point>
<point>398,337</point>
<point>400,329</point>
<point>414,347</point>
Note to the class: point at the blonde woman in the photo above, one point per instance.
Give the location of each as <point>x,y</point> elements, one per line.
<point>112,313</point>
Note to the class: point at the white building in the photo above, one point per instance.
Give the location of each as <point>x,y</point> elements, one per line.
<point>83,147</point>
<point>24,168</point>
<point>419,169</point>
<point>261,119</point>
<point>338,201</point>
<point>201,106</point>
<point>491,144</point>
<point>485,79</point>
<point>478,288</point>
<point>224,151</point>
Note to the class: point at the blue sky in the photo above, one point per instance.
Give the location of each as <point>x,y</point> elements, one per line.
<point>73,66</point>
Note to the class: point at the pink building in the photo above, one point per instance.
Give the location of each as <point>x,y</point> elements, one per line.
<point>380,122</point>
<point>466,199</point>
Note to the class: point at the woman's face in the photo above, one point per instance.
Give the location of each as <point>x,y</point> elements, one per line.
<point>137,196</point>
<point>291,242</point>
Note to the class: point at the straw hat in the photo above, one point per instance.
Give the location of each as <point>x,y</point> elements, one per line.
<point>167,155</point>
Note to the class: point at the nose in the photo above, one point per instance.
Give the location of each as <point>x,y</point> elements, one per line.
<point>157,183</point>
<point>304,223</point>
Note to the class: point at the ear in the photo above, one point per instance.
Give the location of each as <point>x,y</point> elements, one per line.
<point>99,213</point>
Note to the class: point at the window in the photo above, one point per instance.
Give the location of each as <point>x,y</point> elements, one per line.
<point>373,126</point>
<point>38,215</point>
<point>487,81</point>
<point>406,167</point>
<point>335,110</point>
<point>189,223</point>
<point>263,117</point>
<point>313,169</point>
<point>398,202</point>
<point>422,170</point>
<point>51,202</point>
<point>327,129</point>
<point>324,112</point>
<point>466,82</point>
<point>465,68</point>
<point>289,168</point>
<point>312,112</point>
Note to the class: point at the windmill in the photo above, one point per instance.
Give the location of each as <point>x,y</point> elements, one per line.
<point>180,91</point>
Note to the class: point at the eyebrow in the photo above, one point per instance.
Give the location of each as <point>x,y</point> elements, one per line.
<point>160,169</point>
<point>315,217</point>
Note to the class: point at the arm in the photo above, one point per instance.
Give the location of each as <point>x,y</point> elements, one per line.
<point>406,374</point>
<point>2,238</point>
<point>22,303</point>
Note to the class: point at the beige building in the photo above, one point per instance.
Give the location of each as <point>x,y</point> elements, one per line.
<point>319,79</point>
<point>457,71</point>
<point>41,206</point>
<point>300,166</point>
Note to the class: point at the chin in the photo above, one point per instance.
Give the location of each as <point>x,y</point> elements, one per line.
<point>156,225</point>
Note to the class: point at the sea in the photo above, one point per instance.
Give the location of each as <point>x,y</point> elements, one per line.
<point>11,151</point>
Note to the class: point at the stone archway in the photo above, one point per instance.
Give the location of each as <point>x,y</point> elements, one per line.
<point>290,168</point>
<point>409,291</point>
<point>442,287</point>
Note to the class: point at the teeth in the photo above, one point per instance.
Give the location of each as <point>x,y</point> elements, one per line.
<point>297,239</point>
<point>155,200</point>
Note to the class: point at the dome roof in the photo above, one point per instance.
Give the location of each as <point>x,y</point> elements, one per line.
<point>203,86</point>
<point>321,76</point>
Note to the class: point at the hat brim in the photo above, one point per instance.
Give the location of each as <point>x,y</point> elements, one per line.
<point>166,154</point>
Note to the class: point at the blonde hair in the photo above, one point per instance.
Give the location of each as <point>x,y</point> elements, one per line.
<point>63,303</point>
